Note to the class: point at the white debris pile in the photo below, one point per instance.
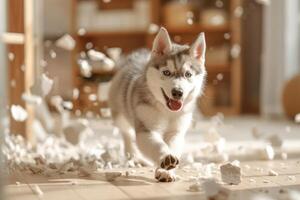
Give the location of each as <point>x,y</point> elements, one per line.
<point>66,42</point>
<point>272,173</point>
<point>55,155</point>
<point>231,173</point>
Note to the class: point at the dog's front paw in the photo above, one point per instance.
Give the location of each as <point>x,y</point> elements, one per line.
<point>163,175</point>
<point>169,162</point>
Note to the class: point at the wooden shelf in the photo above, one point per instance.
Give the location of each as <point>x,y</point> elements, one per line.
<point>196,29</point>
<point>218,68</point>
<point>113,33</point>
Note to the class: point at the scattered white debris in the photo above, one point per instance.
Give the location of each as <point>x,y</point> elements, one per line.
<point>267,153</point>
<point>13,83</point>
<point>37,190</point>
<point>238,11</point>
<point>275,140</point>
<point>272,173</point>
<point>66,42</point>
<point>111,176</point>
<point>46,84</point>
<point>227,36</point>
<point>235,51</point>
<point>266,181</point>
<point>220,76</point>
<point>89,45</point>
<point>114,53</point>
<point>107,64</point>
<point>256,133</point>
<point>195,187</point>
<point>85,68</point>
<point>18,113</point>
<point>219,4</point>
<point>75,131</point>
<point>96,55</point>
<point>153,28</point>
<point>81,31</point>
<point>52,54</point>
<point>297,118</point>
<point>18,183</point>
<point>231,173</point>
<point>11,56</point>
<point>32,99</point>
<point>76,93</point>
<point>211,187</point>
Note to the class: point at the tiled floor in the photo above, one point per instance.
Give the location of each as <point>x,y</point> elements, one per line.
<point>140,184</point>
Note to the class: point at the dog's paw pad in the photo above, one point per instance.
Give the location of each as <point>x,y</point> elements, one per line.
<point>163,175</point>
<point>169,162</point>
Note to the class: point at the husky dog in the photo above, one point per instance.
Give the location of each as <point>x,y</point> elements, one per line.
<point>152,99</point>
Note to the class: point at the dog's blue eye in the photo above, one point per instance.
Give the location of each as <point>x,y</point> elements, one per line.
<point>188,74</point>
<point>167,73</point>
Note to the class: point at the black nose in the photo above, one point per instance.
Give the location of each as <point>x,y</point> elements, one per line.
<point>177,93</point>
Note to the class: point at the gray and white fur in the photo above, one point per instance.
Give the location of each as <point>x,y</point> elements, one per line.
<point>152,99</point>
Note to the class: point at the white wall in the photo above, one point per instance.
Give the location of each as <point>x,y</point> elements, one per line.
<point>3,59</point>
<point>280,52</point>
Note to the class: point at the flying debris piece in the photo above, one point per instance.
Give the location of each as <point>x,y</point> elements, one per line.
<point>297,118</point>
<point>89,45</point>
<point>11,56</point>
<point>32,99</point>
<point>267,153</point>
<point>76,93</point>
<point>272,173</point>
<point>114,53</point>
<point>46,85</point>
<point>37,190</point>
<point>153,28</point>
<point>66,42</point>
<point>85,68</point>
<point>76,131</point>
<point>67,104</point>
<point>238,11</point>
<point>231,173</point>
<point>52,53</point>
<point>235,51</point>
<point>18,113</point>
<point>96,55</point>
<point>227,36</point>
<point>81,31</point>
<point>275,140</point>
<point>219,3</point>
<point>263,2</point>
<point>108,64</point>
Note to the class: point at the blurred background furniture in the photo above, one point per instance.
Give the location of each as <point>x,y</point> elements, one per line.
<point>132,24</point>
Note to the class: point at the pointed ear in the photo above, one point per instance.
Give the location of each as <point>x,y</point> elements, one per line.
<point>198,49</point>
<point>162,43</point>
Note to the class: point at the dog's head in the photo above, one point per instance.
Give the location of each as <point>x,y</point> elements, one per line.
<point>176,73</point>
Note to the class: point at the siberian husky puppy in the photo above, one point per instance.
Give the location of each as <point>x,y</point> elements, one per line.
<point>152,99</point>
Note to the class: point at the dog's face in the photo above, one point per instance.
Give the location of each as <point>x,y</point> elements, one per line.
<point>176,73</point>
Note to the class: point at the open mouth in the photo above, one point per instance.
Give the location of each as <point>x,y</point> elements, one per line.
<point>174,105</point>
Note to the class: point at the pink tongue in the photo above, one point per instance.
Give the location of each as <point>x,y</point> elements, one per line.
<point>174,105</point>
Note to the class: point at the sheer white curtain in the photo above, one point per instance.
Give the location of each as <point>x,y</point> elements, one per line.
<point>280,52</point>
